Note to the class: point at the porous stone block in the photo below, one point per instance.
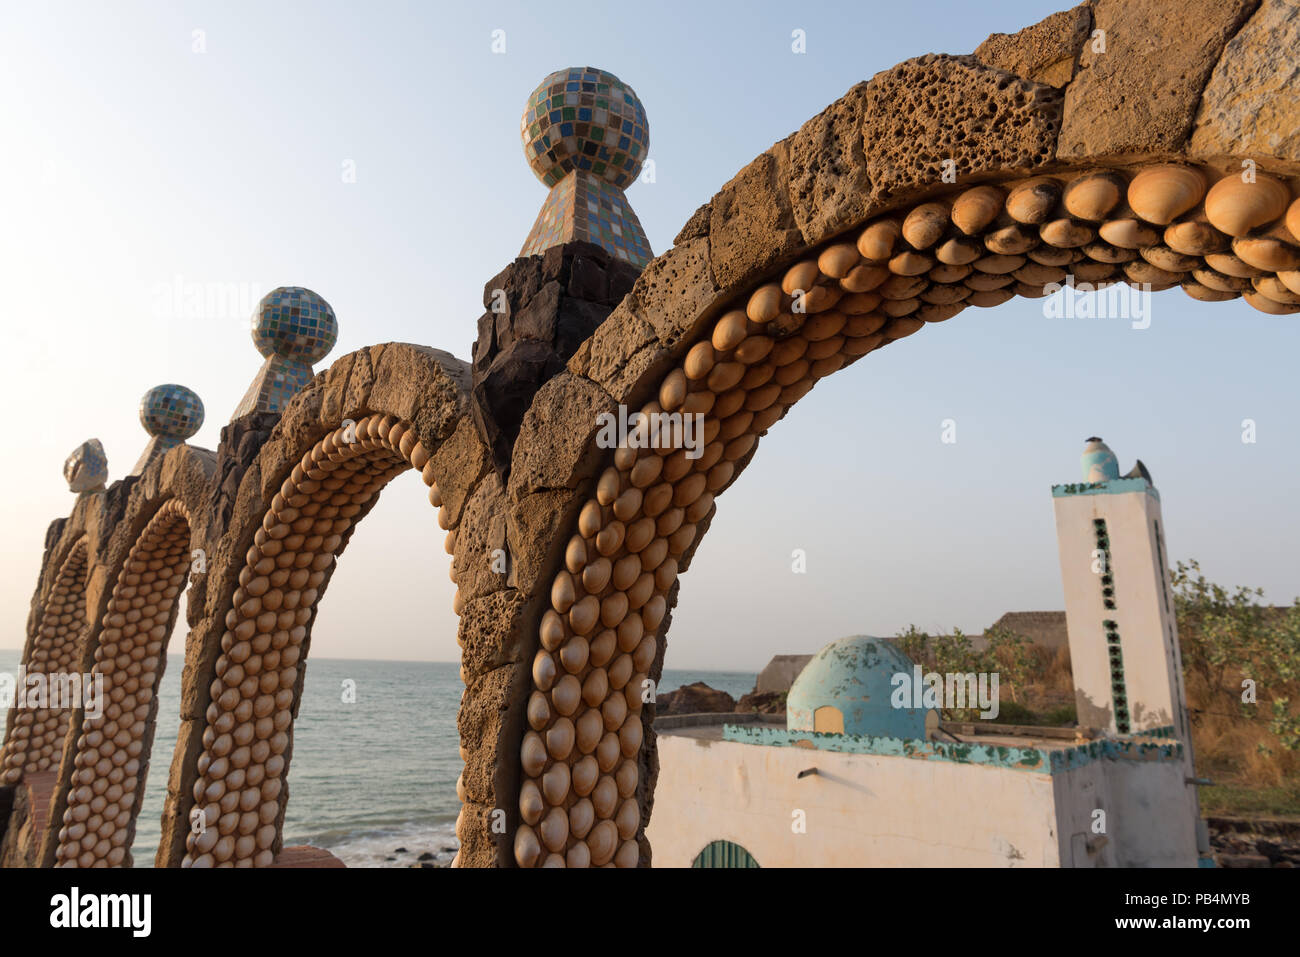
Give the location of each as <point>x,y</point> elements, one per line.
<point>907,129</point>
<point>1139,82</point>
<point>1047,52</point>
<point>1251,104</point>
<point>751,222</point>
<point>937,109</point>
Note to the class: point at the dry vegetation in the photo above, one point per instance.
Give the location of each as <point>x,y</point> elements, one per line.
<point>1241,667</point>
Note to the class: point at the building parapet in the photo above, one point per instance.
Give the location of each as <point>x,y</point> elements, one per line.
<point>1042,760</point>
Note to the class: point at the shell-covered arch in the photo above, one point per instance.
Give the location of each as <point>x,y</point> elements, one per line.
<point>110,762</point>
<point>99,534</point>
<point>34,736</point>
<point>1068,149</point>
<point>373,416</point>
<point>943,183</point>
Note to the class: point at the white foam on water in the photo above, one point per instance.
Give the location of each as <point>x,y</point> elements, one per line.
<point>375,847</point>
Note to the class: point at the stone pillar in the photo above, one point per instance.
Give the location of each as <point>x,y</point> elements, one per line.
<point>539,310</point>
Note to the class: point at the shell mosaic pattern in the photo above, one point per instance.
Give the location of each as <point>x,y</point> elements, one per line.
<point>86,469</point>
<point>171,412</point>
<point>34,739</point>
<point>111,758</point>
<point>294,323</point>
<point>585,119</point>
<point>584,207</point>
<point>585,769</point>
<point>580,801</point>
<point>246,745</point>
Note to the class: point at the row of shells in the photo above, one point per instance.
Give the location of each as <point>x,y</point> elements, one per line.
<point>1162,226</point>
<point>581,800</point>
<point>240,786</point>
<point>36,735</point>
<point>109,765</point>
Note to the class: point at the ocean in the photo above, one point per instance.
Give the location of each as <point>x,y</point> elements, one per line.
<point>375,757</point>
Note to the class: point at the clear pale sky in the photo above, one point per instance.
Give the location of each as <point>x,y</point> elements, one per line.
<point>133,163</point>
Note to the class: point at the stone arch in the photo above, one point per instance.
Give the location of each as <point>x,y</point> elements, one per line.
<point>854,219</point>
<point>110,762</point>
<point>103,527</point>
<point>34,737</point>
<point>372,416</point>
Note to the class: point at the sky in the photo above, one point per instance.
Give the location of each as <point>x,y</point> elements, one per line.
<point>370,152</point>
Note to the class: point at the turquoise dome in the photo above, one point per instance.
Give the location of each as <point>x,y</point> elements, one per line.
<point>849,683</point>
<point>1099,462</point>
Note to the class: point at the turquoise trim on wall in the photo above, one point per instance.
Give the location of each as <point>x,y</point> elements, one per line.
<point>1038,760</point>
<point>1113,487</point>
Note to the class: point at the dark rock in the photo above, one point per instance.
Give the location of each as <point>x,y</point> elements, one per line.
<point>697,698</point>
<point>426,856</point>
<point>240,442</point>
<point>400,850</point>
<point>540,310</point>
<point>764,702</point>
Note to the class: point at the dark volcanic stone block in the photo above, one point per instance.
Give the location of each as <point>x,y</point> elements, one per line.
<point>540,309</point>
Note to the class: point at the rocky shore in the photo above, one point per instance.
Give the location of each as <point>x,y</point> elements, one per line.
<point>432,857</point>
<point>1244,842</point>
<point>699,698</point>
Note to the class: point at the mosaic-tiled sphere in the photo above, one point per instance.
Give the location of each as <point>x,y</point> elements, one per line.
<point>294,323</point>
<point>584,118</point>
<point>172,411</point>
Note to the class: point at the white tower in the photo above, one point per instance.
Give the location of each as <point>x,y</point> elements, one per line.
<point>1119,607</point>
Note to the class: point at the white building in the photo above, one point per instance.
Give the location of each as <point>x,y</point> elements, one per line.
<point>855,776</point>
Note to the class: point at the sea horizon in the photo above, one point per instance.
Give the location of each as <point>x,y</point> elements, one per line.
<point>372,797</point>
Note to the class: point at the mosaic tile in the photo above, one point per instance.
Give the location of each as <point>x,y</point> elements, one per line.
<point>293,327</point>
<point>294,323</point>
<point>585,207</point>
<point>585,119</point>
<point>86,469</point>
<point>171,412</point>
<point>278,381</point>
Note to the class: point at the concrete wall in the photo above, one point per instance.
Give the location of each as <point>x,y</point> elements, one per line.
<point>1146,823</point>
<point>780,672</point>
<point>861,810</point>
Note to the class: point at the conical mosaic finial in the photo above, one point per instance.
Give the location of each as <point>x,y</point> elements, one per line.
<point>86,469</point>
<point>170,414</point>
<point>293,327</point>
<point>585,136</point>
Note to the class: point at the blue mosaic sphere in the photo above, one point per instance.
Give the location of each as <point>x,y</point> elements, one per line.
<point>587,119</point>
<point>294,323</point>
<point>171,411</point>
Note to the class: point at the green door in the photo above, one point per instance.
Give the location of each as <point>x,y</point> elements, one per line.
<point>724,854</point>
